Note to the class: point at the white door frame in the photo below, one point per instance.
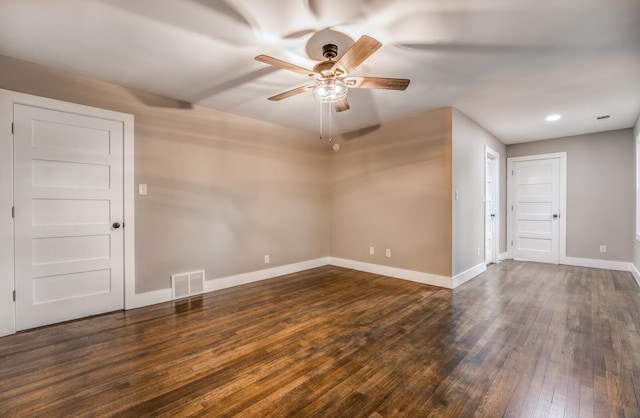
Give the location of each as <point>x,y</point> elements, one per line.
<point>494,156</point>
<point>7,271</point>
<point>562,243</point>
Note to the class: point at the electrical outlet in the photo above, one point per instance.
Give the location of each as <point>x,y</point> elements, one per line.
<point>372,250</point>
<point>388,252</point>
<point>603,248</point>
<point>266,259</point>
<point>142,189</point>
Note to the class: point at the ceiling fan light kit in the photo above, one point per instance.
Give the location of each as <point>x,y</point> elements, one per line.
<point>330,90</point>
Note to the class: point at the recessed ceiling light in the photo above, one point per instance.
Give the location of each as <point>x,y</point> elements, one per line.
<point>553,118</point>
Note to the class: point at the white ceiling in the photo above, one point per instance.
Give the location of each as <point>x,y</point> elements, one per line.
<point>504,63</point>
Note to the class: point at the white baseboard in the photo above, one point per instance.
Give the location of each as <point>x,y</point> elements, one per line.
<point>597,264</point>
<point>254,276</point>
<point>465,276</point>
<point>148,298</point>
<point>503,256</point>
<point>635,273</point>
<point>164,295</point>
<point>411,275</point>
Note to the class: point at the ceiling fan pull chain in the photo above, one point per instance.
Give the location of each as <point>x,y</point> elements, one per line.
<point>321,121</point>
<point>330,111</point>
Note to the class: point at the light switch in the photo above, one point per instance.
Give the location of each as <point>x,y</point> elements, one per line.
<point>142,189</point>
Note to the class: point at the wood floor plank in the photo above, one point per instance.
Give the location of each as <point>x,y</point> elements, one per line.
<point>522,339</point>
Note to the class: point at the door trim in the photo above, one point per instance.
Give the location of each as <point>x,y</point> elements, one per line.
<point>491,154</point>
<point>562,241</point>
<point>7,269</point>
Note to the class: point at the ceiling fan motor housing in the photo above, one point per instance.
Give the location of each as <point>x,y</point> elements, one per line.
<point>330,51</point>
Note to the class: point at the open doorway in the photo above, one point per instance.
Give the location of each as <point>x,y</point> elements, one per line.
<point>492,203</point>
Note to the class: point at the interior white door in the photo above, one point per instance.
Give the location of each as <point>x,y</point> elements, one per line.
<point>68,186</point>
<point>536,203</point>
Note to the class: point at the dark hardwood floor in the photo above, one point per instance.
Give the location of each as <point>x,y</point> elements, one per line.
<point>522,339</point>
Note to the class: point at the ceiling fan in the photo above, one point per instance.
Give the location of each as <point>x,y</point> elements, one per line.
<point>332,78</point>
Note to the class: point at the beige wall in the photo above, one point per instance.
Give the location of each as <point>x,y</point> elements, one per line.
<point>469,141</point>
<point>391,188</point>
<point>600,191</point>
<point>226,190</point>
<point>223,190</point>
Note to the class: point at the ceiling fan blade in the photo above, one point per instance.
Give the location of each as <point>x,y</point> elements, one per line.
<point>283,64</point>
<point>360,51</point>
<point>377,83</point>
<point>341,105</point>
<point>291,92</point>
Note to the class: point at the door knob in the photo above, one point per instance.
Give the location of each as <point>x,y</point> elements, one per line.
<point>555,216</point>
<point>493,215</point>
<point>115,225</point>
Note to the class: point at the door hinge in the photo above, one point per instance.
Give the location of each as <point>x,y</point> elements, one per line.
<point>511,208</point>
<point>13,211</point>
<point>12,127</point>
<point>512,243</point>
<point>14,295</point>
<point>512,172</point>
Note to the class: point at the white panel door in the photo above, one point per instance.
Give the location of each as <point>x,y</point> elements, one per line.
<point>536,203</point>
<point>68,184</point>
